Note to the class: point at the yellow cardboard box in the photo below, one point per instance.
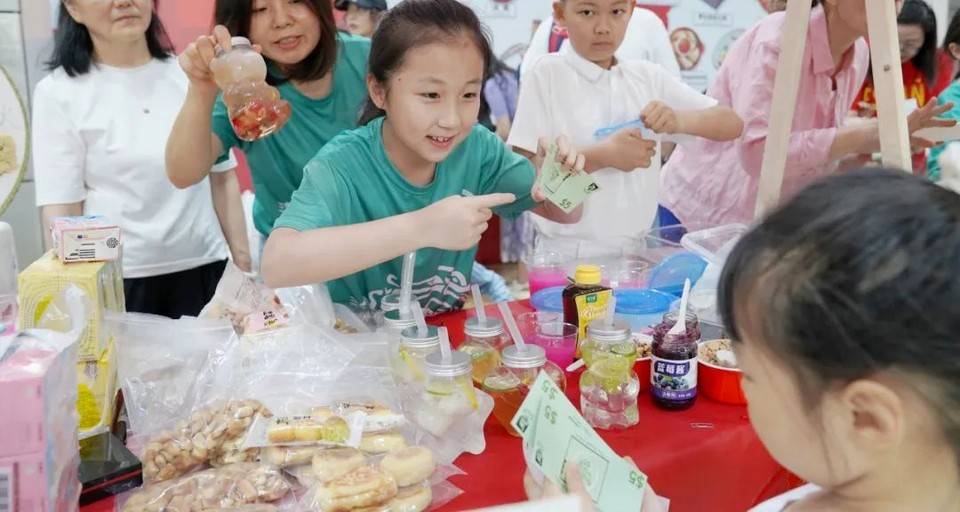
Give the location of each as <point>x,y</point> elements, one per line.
<point>42,282</point>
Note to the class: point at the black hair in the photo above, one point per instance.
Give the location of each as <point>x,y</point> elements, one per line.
<point>236,16</point>
<point>952,36</point>
<point>73,46</point>
<point>414,23</point>
<point>853,277</point>
<point>917,12</point>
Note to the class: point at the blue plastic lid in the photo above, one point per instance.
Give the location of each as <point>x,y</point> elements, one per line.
<point>549,299</point>
<point>669,275</point>
<point>642,302</point>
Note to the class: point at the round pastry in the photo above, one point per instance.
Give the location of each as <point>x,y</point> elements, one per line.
<point>336,462</point>
<point>416,498</point>
<point>382,443</point>
<point>283,456</point>
<point>365,486</point>
<point>308,431</point>
<point>409,465</point>
<point>282,432</point>
<point>321,414</point>
<point>336,430</point>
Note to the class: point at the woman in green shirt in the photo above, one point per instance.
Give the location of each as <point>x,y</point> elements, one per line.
<point>419,175</point>
<point>318,70</point>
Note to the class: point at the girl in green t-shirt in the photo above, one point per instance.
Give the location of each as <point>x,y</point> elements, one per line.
<point>317,69</point>
<point>418,175</point>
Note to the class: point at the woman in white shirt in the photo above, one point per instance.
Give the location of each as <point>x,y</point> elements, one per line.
<point>100,125</point>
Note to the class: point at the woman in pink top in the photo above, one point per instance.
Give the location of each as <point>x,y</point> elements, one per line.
<point>712,183</point>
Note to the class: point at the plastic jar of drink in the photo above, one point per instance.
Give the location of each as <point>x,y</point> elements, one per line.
<point>448,393</point>
<point>510,383</point>
<point>609,387</point>
<point>673,376</point>
<point>408,363</point>
<point>255,107</point>
<point>483,343</point>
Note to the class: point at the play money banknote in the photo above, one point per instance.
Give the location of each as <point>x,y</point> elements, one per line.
<point>564,189</point>
<point>558,435</point>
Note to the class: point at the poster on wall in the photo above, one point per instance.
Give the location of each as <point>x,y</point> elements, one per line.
<point>702,32</point>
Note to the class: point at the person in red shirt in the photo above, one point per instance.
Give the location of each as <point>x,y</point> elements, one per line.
<point>922,62</point>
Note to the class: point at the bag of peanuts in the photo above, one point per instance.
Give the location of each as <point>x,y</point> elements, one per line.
<point>158,364</point>
<point>204,436</point>
<point>227,487</point>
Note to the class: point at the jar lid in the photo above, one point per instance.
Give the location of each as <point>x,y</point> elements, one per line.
<point>410,337</point>
<point>600,331</point>
<point>392,319</point>
<point>459,364</point>
<point>390,302</point>
<point>487,329</point>
<point>239,41</point>
<point>531,357</point>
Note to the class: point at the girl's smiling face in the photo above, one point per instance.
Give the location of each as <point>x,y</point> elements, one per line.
<point>432,101</point>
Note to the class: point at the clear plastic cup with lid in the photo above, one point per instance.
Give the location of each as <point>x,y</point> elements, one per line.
<point>483,341</point>
<point>408,362</point>
<point>448,394</point>
<point>609,387</point>
<point>510,383</point>
<point>255,107</point>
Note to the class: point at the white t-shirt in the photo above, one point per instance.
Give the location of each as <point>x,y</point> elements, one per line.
<point>565,94</point>
<point>100,138</point>
<point>646,39</point>
<point>780,503</point>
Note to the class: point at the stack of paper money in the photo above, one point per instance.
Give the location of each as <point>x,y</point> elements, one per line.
<point>555,434</point>
<point>565,189</point>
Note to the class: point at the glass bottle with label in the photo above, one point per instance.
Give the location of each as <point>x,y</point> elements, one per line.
<point>673,376</point>
<point>609,387</point>
<point>510,383</point>
<point>483,343</point>
<point>585,300</point>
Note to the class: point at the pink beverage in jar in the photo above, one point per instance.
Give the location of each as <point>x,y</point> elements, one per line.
<point>255,107</point>
<point>545,270</point>
<point>559,341</point>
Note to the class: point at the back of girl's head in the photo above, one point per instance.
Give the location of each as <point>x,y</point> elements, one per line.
<point>917,12</point>
<point>236,15</point>
<point>952,37</point>
<point>856,276</point>
<point>73,46</point>
<point>415,23</point>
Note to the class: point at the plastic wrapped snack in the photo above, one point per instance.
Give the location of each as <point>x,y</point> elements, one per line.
<point>366,486</point>
<point>287,456</point>
<point>248,304</point>
<point>378,417</point>
<point>232,452</point>
<point>197,439</point>
<point>220,488</point>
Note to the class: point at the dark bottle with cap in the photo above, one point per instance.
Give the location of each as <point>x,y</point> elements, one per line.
<point>585,300</point>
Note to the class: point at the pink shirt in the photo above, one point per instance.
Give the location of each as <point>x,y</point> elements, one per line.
<point>712,183</point>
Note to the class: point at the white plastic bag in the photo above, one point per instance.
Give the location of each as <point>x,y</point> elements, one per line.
<point>159,362</point>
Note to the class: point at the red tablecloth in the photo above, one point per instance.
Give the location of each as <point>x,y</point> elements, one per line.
<point>707,458</point>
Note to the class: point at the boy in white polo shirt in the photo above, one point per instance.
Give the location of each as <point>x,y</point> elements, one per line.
<point>585,88</point>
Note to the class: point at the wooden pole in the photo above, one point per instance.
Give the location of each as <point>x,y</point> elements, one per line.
<point>888,84</point>
<point>785,89</point>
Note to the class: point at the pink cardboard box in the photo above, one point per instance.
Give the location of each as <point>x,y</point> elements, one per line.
<point>30,483</point>
<point>38,392</point>
<point>90,238</point>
